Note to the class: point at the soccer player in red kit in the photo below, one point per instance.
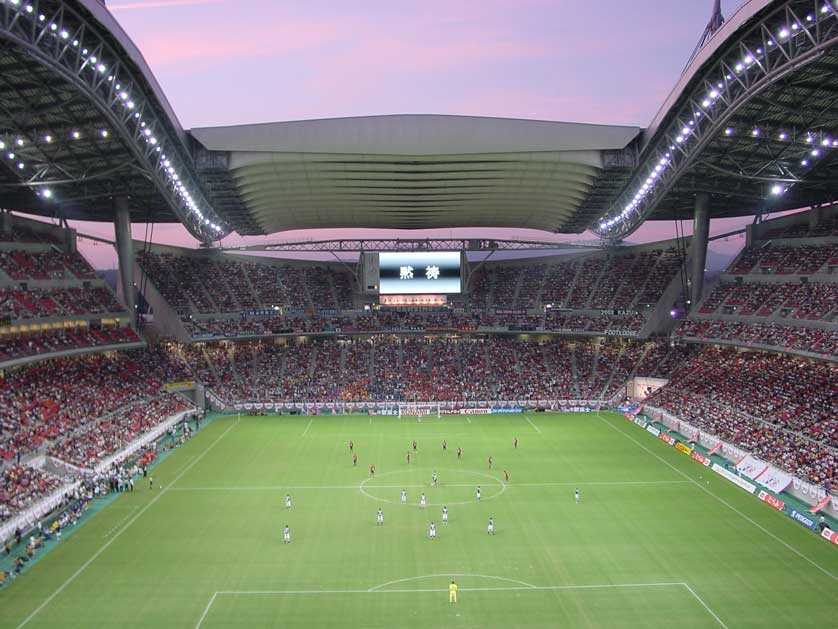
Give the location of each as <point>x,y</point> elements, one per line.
<point>414,445</point>
<point>408,458</point>
<point>505,476</point>
<point>372,471</point>
<point>515,443</point>
<point>351,446</point>
<point>444,446</point>
<point>490,462</point>
<point>354,459</point>
<point>459,453</point>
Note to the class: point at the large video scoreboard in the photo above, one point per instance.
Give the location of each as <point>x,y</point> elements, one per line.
<point>416,273</point>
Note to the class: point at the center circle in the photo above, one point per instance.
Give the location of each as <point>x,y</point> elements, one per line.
<point>454,483</point>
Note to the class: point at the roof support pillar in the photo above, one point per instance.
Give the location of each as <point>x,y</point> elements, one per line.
<point>698,253</point>
<point>125,253</point>
<point>6,221</point>
<point>815,217</point>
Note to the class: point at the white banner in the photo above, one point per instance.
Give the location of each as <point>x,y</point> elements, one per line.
<point>751,467</point>
<point>733,478</point>
<point>776,480</point>
<point>653,430</point>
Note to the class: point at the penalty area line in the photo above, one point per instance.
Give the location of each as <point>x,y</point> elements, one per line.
<point>307,427</point>
<point>516,588</point>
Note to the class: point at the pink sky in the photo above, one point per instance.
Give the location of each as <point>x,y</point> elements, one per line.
<point>224,62</point>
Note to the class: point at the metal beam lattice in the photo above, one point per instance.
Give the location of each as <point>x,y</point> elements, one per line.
<point>783,40</point>
<point>69,43</point>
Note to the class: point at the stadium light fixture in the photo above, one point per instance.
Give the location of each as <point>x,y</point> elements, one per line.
<point>777,189</point>
<point>783,135</point>
<point>76,135</point>
<point>729,131</point>
<point>48,138</point>
<point>46,193</point>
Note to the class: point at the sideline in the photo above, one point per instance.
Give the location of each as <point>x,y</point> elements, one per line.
<point>125,527</point>
<point>537,429</point>
<point>723,501</point>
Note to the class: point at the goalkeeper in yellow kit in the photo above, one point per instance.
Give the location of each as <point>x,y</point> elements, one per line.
<point>452,592</point>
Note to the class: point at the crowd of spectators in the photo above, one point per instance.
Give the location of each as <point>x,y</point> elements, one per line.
<point>21,486</point>
<point>49,264</point>
<point>414,321</point>
<point>17,304</point>
<point>773,259</point>
<point>93,441</point>
<point>51,400</point>
<point>779,408</point>
<point>60,340</point>
<point>798,300</point>
<point>408,368</point>
<point>218,284</point>
<point>768,334</point>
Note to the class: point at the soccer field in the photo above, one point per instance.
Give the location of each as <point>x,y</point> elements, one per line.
<point>649,545</point>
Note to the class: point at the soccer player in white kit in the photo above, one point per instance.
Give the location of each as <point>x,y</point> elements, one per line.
<point>445,515</point>
<point>577,495</point>
<point>380,517</point>
<point>478,493</point>
<point>286,534</point>
<point>422,500</point>
<point>491,530</point>
<point>404,497</point>
<point>432,531</point>
<point>288,501</point>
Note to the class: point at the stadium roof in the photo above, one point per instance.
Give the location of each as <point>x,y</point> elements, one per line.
<point>752,122</point>
<point>416,171</point>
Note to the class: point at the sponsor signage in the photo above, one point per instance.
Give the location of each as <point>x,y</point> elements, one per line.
<point>260,313</point>
<point>475,411</point>
<point>664,437</point>
<point>832,536</point>
<point>640,422</point>
<point>186,384</point>
<point>733,478</point>
<point>507,411</point>
<point>806,521</point>
<point>769,499</point>
<point>653,430</point>
<point>686,450</point>
<point>701,459</point>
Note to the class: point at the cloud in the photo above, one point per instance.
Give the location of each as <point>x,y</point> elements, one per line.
<point>157,4</point>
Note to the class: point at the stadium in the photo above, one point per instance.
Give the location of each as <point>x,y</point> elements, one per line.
<point>397,430</point>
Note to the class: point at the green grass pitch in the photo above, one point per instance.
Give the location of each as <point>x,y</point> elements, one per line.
<point>650,544</point>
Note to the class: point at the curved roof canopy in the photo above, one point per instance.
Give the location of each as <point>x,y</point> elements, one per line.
<point>752,122</point>
<point>415,171</point>
<point>84,121</point>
